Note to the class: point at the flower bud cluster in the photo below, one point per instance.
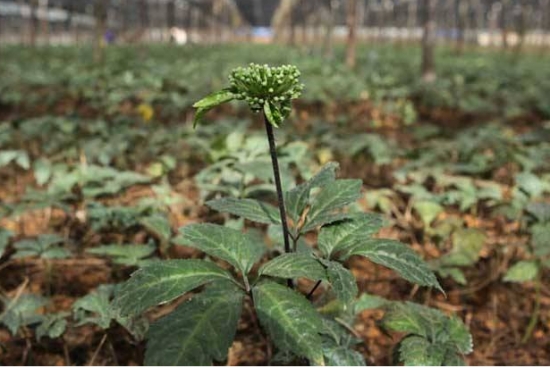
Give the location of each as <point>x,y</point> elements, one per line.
<point>260,83</point>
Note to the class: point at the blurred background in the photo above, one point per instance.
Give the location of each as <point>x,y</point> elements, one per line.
<point>441,107</point>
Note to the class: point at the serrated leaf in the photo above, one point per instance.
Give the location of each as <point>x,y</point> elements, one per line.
<point>452,359</point>
<point>417,351</point>
<point>209,102</point>
<point>397,256</point>
<point>341,235</point>
<point>239,249</point>
<point>98,308</point>
<point>297,198</point>
<point>250,209</point>
<point>343,282</point>
<point>22,311</point>
<point>53,326</point>
<point>522,271</point>
<point>162,281</point>
<point>159,225</point>
<point>459,335</point>
<point>199,331</point>
<point>95,308</point>
<point>430,324</point>
<point>294,265</point>
<point>334,195</point>
<point>341,356</point>
<point>291,321</point>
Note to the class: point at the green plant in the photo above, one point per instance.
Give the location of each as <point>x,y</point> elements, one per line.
<point>22,311</point>
<point>46,246</point>
<point>97,308</point>
<point>202,328</point>
<point>127,255</point>
<point>538,254</point>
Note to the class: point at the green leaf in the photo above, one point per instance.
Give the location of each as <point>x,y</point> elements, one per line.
<point>162,281</point>
<point>540,238</point>
<point>522,271</point>
<point>46,246</point>
<point>341,235</point>
<point>324,219</point>
<point>459,335</point>
<point>333,195</point>
<point>343,282</point>
<point>297,198</point>
<point>428,211</point>
<point>128,255</point>
<point>294,265</point>
<point>209,102</point>
<point>199,331</point>
<point>453,272</point>
<point>158,225</point>
<point>429,323</point>
<point>452,359</point>
<point>398,257</point>
<point>42,171</point>
<point>5,236</point>
<point>291,321</point>
<point>239,249</point>
<point>53,326</point>
<point>22,311</point>
<point>540,210</point>
<point>250,209</point>
<point>273,114</point>
<point>341,356</point>
<point>467,244</point>
<point>98,308</point>
<point>95,308</point>
<point>530,184</point>
<point>367,301</point>
<point>417,351</point>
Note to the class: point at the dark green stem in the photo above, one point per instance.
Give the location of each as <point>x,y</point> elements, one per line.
<point>278,186</point>
<point>536,311</point>
<point>310,294</point>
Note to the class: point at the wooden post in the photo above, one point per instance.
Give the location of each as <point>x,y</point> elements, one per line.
<point>428,42</point>
<point>462,13</point>
<point>33,23</point>
<point>100,13</point>
<point>352,33</point>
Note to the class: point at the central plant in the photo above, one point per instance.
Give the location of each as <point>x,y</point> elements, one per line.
<point>201,329</point>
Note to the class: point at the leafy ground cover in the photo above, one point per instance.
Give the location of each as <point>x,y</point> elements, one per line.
<point>100,167</point>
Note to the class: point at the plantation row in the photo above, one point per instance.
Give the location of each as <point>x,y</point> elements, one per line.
<point>102,174</point>
<point>171,79</point>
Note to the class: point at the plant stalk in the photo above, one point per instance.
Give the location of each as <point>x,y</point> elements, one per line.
<point>310,294</point>
<point>536,311</point>
<point>278,186</point>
